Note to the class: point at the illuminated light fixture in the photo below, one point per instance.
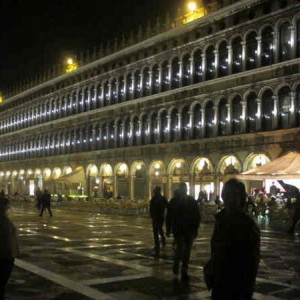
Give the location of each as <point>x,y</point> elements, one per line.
<point>192,6</point>
<point>193,12</point>
<point>138,167</point>
<point>71,65</point>
<point>157,166</point>
<point>1,99</point>
<point>178,165</point>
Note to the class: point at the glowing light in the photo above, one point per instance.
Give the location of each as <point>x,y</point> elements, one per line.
<point>71,65</point>
<point>192,6</point>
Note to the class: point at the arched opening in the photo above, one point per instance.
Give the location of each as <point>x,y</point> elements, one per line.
<point>267,47</point>
<point>267,110</point>
<point>237,111</point>
<point>223,59</point>
<point>284,98</point>
<point>222,116</point>
<point>251,51</point>
<point>251,112</point>
<point>237,55</point>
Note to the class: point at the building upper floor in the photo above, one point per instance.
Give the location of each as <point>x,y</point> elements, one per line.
<point>217,46</point>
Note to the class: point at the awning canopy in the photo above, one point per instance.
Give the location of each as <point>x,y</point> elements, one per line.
<point>284,167</point>
<point>74,177</point>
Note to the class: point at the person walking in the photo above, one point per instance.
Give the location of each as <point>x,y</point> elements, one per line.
<point>183,220</point>
<point>235,248</point>
<point>158,207</point>
<point>38,198</point>
<point>296,215</point>
<point>46,203</point>
<point>9,246</point>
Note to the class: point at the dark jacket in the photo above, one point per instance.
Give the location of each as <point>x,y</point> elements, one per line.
<point>235,252</point>
<point>158,207</point>
<point>46,198</point>
<point>183,216</point>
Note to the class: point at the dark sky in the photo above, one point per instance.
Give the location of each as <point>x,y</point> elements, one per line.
<point>36,34</point>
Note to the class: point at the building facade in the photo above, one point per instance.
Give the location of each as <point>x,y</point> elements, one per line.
<point>198,103</point>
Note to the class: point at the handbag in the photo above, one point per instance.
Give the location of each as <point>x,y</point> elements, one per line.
<point>208,274</point>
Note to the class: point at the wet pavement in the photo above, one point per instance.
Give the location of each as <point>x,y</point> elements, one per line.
<point>80,255</point>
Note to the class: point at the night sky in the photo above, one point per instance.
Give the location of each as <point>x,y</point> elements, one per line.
<point>37,34</point>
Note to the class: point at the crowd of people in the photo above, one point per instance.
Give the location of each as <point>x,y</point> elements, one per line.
<point>231,269</point>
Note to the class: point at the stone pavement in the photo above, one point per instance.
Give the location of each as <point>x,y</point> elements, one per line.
<point>84,255</point>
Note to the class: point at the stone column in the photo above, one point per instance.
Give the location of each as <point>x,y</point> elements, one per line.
<point>150,82</point>
<point>258,52</point>
<point>259,114</point>
<point>130,138</point>
<point>276,45</point>
<point>229,62</point>
<point>169,127</point>
<point>244,113</point>
<point>141,94</point>
<point>203,56</point>
<point>132,86</point>
<point>139,136</point>
<point>159,79</point>
<point>216,52</point>
<point>293,111</point>
<point>275,113</point>
<point>192,70</point>
<point>293,41</point>
<point>216,121</point>
<point>125,89</point>
<point>158,130</point>
<point>131,187</point>
<point>180,73</point>
<point>244,58</point>
<point>179,125</point>
<point>170,76</point>
<point>229,119</point>
<point>117,91</point>
<point>202,126</point>
<point>191,124</point>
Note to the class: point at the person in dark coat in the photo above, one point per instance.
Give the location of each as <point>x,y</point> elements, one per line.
<point>158,207</point>
<point>183,219</point>
<point>9,246</point>
<point>46,203</point>
<point>235,248</point>
<point>38,198</point>
<point>296,216</point>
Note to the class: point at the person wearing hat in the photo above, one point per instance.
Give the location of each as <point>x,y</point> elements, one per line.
<point>9,247</point>
<point>235,248</point>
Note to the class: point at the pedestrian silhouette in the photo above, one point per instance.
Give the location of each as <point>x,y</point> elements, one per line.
<point>9,246</point>
<point>296,216</point>
<point>233,265</point>
<point>158,208</point>
<point>183,219</point>
<point>46,203</point>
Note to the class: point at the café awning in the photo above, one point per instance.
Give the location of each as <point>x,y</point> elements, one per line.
<point>74,177</point>
<point>283,167</point>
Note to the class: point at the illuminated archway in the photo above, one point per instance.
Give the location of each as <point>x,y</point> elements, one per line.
<point>157,176</point>
<point>178,171</point>
<point>138,172</point>
<point>203,178</point>
<point>122,180</point>
<point>106,180</point>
